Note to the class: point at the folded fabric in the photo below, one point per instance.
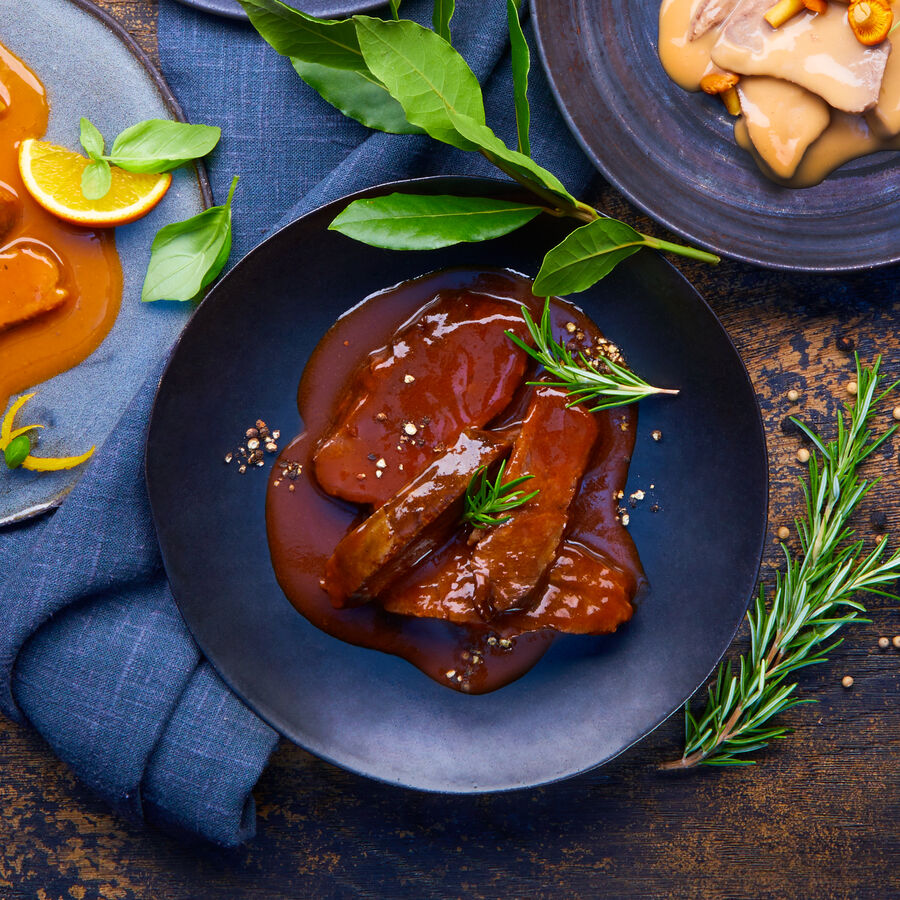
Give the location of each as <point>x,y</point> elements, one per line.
<point>93,651</point>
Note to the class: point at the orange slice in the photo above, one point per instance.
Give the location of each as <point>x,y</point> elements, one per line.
<point>52,175</point>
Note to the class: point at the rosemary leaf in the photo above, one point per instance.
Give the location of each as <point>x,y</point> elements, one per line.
<point>487,501</point>
<point>813,597</point>
<point>606,388</point>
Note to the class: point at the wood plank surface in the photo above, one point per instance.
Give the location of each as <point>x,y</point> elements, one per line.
<point>817,818</point>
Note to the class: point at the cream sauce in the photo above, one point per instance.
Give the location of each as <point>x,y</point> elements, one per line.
<point>796,138</point>
<point>782,120</point>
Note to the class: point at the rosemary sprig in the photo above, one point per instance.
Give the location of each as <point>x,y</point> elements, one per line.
<point>487,501</point>
<point>813,597</point>
<point>616,386</point>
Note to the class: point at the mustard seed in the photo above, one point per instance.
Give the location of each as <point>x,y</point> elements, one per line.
<point>896,641</point>
<point>784,533</point>
<point>896,413</point>
<point>884,643</point>
<point>852,387</point>
<point>803,455</point>
<point>847,681</point>
<point>793,396</point>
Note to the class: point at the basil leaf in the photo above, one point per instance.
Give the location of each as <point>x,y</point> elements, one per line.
<point>300,36</point>
<point>426,222</point>
<point>588,254</point>
<point>186,256</point>
<point>357,95</point>
<point>395,8</point>
<point>96,179</point>
<point>91,139</point>
<point>512,162</point>
<point>424,73</point>
<point>521,64</point>
<point>158,145</point>
<point>441,16</point>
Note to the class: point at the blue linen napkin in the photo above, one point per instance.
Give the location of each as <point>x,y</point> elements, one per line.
<point>93,651</point>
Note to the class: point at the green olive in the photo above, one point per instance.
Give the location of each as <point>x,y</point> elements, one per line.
<point>16,451</point>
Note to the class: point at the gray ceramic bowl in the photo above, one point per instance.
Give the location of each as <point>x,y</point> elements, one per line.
<point>79,52</point>
<point>673,153</point>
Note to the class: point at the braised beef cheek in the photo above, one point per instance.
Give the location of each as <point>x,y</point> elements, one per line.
<point>451,368</point>
<point>369,542</point>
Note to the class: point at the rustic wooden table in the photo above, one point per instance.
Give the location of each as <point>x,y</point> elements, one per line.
<point>819,817</point>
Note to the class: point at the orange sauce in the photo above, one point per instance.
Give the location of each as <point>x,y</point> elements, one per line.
<point>33,241</point>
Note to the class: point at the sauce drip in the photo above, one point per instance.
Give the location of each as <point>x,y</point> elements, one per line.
<point>305,525</point>
<point>39,252</point>
<point>789,76</point>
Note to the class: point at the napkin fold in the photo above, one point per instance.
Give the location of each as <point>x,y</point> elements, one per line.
<point>93,651</point>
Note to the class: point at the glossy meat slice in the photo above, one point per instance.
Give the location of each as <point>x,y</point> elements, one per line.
<point>554,446</point>
<point>583,593</point>
<point>708,15</point>
<point>782,120</point>
<point>818,52</point>
<point>29,284</point>
<point>451,368</point>
<point>409,525</point>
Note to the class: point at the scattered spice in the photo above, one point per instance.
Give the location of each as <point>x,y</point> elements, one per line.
<point>793,395</point>
<point>896,641</point>
<point>409,428</point>
<point>884,643</point>
<point>803,455</point>
<point>845,344</point>
<point>656,434</point>
<point>896,413</point>
<point>878,520</point>
<point>784,533</point>
<point>852,388</point>
<point>570,327</point>
<point>409,379</point>
<point>847,681</point>
<point>257,436</point>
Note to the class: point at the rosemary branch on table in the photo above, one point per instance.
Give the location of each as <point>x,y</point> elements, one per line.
<point>612,386</point>
<point>487,501</point>
<point>814,597</point>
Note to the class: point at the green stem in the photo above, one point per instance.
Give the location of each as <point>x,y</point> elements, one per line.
<point>681,250</point>
<point>588,214</point>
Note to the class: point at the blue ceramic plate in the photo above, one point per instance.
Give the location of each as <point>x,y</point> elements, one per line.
<point>325,9</point>
<point>589,698</point>
<point>673,153</point>
<point>91,67</point>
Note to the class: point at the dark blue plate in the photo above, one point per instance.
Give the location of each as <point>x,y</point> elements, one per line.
<point>325,9</point>
<point>240,358</point>
<point>673,153</point>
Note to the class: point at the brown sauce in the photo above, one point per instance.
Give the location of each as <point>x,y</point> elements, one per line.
<point>809,91</point>
<point>38,250</point>
<point>305,525</point>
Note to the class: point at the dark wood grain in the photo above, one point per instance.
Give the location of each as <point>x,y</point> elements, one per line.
<point>817,818</point>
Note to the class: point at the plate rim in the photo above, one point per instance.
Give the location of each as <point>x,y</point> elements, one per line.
<point>491,184</point>
<point>339,8</point>
<point>203,184</point>
<point>660,217</point>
